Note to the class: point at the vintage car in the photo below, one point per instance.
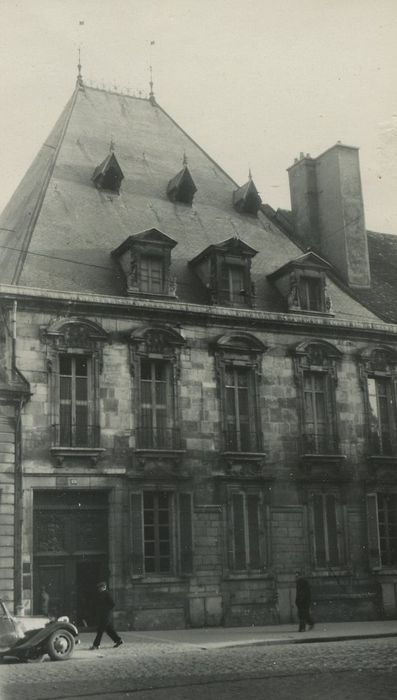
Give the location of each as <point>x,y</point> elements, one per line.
<point>30,638</point>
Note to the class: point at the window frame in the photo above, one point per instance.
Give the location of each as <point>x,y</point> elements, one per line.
<point>240,351</point>
<point>379,364</point>
<point>163,344</point>
<point>375,560</point>
<point>340,543</point>
<point>311,358</point>
<point>74,337</point>
<point>181,523</point>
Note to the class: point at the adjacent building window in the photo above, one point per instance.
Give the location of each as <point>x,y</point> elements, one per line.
<point>382,529</point>
<point>155,364</point>
<point>247,531</point>
<point>238,362</point>
<point>316,377</point>
<point>378,371</point>
<point>327,525</point>
<point>161,522</point>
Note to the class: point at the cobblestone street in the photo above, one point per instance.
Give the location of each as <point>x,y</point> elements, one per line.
<point>362,669</point>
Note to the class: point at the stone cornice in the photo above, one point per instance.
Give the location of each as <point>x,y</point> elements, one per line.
<point>197,312</point>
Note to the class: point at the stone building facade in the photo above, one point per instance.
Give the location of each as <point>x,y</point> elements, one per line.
<point>193,403</point>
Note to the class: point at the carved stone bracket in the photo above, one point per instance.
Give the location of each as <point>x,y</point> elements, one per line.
<point>90,453</point>
<point>158,465</point>
<point>242,466</point>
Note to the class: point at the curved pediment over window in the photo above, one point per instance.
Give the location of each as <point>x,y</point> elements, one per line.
<point>379,358</point>
<point>159,339</point>
<point>316,352</point>
<point>240,342</point>
<point>108,175</point>
<point>74,332</point>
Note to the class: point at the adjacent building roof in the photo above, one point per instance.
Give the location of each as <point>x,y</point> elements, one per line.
<point>58,230</point>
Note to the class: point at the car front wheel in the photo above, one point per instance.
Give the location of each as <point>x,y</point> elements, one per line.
<point>60,645</point>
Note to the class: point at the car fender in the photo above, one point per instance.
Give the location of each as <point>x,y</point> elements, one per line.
<point>37,637</point>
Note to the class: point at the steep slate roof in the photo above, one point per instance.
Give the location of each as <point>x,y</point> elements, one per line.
<point>57,211</point>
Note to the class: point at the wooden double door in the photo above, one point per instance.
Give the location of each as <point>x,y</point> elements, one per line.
<point>70,552</point>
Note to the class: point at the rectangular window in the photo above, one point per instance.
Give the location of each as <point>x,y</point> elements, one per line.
<point>157,429</point>
<point>157,532</point>
<point>318,431</point>
<point>74,404</point>
<point>233,285</point>
<point>162,533</point>
<point>381,412</point>
<point>325,530</point>
<point>240,410</point>
<point>152,275</point>
<point>387,523</point>
<point>310,293</point>
<point>246,551</point>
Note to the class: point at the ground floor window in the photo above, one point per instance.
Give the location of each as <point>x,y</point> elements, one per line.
<point>326,515</point>
<point>247,532</point>
<point>161,527</point>
<point>382,529</point>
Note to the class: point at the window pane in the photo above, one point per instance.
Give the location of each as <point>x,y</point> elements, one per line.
<point>65,364</point>
<point>65,388</point>
<point>253,530</point>
<point>319,531</point>
<point>81,364</point>
<point>81,389</point>
<point>239,531</point>
<point>332,531</point>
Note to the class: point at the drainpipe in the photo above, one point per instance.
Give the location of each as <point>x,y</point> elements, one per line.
<point>18,486</point>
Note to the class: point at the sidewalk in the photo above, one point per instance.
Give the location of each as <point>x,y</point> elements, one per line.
<point>222,637</point>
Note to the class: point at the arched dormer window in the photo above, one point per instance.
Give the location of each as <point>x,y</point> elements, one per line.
<point>238,358</point>
<point>74,362</point>
<point>108,175</point>
<point>315,365</point>
<point>155,365</point>
<point>378,373</point>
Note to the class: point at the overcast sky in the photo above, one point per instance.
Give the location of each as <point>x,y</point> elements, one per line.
<point>255,82</point>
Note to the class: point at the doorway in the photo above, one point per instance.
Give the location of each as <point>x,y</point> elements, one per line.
<point>70,531</point>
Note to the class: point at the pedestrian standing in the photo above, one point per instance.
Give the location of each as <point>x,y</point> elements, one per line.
<point>44,601</point>
<point>303,602</point>
<point>104,607</point>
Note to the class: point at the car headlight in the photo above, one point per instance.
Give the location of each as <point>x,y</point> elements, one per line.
<point>64,618</point>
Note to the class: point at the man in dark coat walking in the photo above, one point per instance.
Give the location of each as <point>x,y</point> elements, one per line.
<point>303,601</point>
<point>104,607</point>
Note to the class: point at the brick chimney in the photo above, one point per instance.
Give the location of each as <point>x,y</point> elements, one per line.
<point>328,211</point>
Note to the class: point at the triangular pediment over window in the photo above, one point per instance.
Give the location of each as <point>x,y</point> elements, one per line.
<point>108,175</point>
<point>246,199</point>
<point>182,188</point>
<point>303,283</point>
<point>145,260</point>
<point>225,270</point>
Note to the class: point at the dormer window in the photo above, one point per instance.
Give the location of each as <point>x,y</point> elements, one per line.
<point>225,271</point>
<point>246,199</point>
<point>303,284</point>
<point>145,260</point>
<point>182,188</point>
<point>108,175</point>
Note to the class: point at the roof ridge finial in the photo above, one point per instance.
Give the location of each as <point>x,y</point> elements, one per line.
<point>152,98</point>
<point>79,80</point>
<point>112,145</point>
<point>249,175</point>
<point>184,159</point>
